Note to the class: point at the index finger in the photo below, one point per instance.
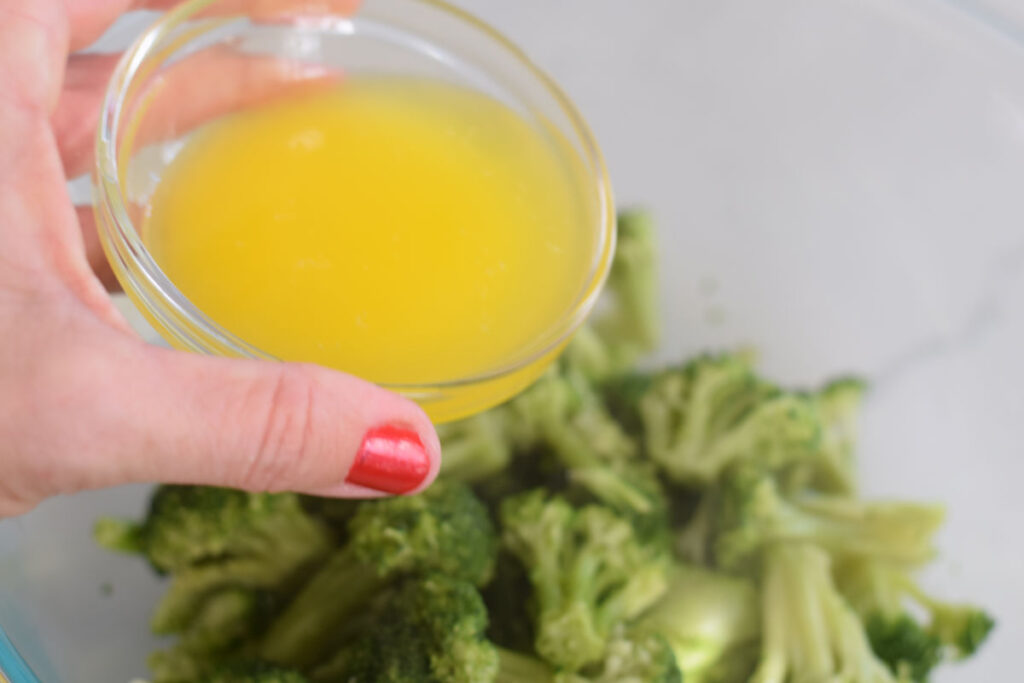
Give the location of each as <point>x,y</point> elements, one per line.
<point>90,18</point>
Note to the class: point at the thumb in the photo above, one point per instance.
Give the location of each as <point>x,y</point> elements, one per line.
<point>177,417</point>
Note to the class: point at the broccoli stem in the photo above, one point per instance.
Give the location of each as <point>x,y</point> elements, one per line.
<point>706,617</point>
<point>516,667</point>
<point>810,632</point>
<point>308,627</point>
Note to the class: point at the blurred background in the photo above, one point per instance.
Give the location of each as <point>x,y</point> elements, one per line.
<point>838,184</point>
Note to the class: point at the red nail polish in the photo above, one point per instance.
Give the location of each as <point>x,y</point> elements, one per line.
<point>390,459</point>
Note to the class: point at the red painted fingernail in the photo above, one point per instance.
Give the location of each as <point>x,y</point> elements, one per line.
<point>390,459</point>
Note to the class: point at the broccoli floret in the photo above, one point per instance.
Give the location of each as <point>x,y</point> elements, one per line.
<point>253,672</point>
<point>446,529</point>
<point>589,571</point>
<point>839,405</point>
<point>833,468</point>
<point>625,325</point>
<point>623,395</point>
<point>211,538</point>
<point>908,649</point>
<point>887,596</point>
<point>715,411</point>
<point>476,447</point>
<point>810,632</point>
<point>226,623</point>
<point>628,659</point>
<point>751,512</point>
<point>712,622</point>
<point>569,416</point>
<point>596,455</point>
<point>431,629</point>
<point>226,619</point>
<point>192,525</point>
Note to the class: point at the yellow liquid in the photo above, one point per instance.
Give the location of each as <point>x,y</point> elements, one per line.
<point>406,231</point>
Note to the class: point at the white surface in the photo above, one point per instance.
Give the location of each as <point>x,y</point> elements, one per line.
<point>840,184</point>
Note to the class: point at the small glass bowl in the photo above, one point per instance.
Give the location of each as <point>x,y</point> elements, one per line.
<point>209,58</point>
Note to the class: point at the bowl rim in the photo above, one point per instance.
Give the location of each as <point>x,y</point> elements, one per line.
<point>154,291</point>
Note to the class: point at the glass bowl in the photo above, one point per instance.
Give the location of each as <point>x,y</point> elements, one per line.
<point>211,58</point>
<point>837,183</point>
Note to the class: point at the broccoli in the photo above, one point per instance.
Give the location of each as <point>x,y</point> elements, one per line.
<point>694,540</point>
<point>191,525</point>
<point>909,650</point>
<point>832,469</point>
<point>510,625</point>
<point>576,430</point>
<point>430,628</point>
<point>711,621</point>
<point>561,412</point>
<point>476,447</point>
<point>750,512</point>
<point>715,411</point>
<point>253,672</point>
<point>625,325</point>
<point>886,596</point>
<point>628,659</point>
<point>445,529</point>
<point>810,631</point>
<point>570,418</point>
<point>225,622</point>
<point>589,572</point>
<point>211,538</point>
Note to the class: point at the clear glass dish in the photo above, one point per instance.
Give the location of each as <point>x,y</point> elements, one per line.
<point>244,54</point>
<point>836,183</point>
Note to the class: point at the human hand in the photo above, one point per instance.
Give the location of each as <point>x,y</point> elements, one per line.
<point>84,403</point>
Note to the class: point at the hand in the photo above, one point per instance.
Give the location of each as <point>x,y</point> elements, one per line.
<point>86,404</point>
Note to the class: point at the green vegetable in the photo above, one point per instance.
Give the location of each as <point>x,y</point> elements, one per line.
<point>210,539</point>
<point>694,524</point>
<point>715,411</point>
<point>626,325</point>
<point>711,621</point>
<point>589,570</point>
<point>751,512</point>
<point>444,530</point>
<point>810,631</point>
<point>429,629</point>
<point>253,672</point>
<point>628,659</point>
<point>887,598</point>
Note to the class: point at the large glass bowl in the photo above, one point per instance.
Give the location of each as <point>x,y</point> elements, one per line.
<point>839,183</point>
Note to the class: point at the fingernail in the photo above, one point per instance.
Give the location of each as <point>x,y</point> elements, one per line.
<point>390,459</point>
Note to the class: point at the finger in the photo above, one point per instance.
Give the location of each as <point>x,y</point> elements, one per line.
<point>198,89</point>
<point>77,113</point>
<point>148,414</point>
<point>94,249</point>
<point>33,46</point>
<point>270,11</point>
<point>90,18</point>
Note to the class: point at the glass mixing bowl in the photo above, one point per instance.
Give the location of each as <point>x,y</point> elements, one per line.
<point>837,183</point>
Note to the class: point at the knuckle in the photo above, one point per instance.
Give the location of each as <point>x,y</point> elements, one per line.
<point>285,436</point>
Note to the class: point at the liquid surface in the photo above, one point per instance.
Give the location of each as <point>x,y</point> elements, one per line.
<point>406,231</point>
